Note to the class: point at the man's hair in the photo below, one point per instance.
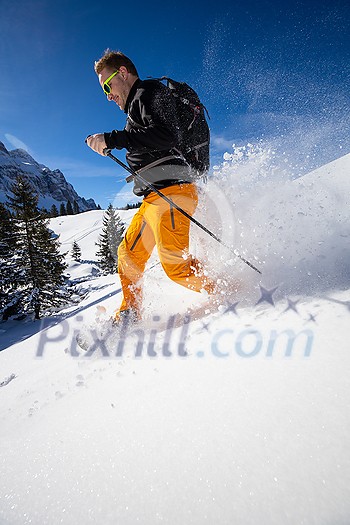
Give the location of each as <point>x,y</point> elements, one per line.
<point>113,60</point>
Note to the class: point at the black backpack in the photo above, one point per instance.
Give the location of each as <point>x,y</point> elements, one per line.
<point>193,128</point>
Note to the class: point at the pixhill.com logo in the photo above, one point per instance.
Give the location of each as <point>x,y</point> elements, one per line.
<point>222,334</point>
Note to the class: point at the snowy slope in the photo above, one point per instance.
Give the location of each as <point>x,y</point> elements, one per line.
<point>85,229</point>
<point>251,427</point>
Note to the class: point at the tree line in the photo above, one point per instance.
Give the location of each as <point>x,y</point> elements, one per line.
<point>32,269</point>
<point>64,209</point>
<point>31,266</point>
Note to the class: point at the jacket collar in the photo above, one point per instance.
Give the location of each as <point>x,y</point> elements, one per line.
<point>132,94</point>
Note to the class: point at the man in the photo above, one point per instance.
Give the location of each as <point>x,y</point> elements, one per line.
<point>150,136</point>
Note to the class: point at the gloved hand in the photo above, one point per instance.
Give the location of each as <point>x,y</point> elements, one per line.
<point>97,143</point>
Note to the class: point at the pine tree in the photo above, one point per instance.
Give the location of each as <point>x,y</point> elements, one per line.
<point>39,262</point>
<point>69,208</point>
<point>76,207</point>
<point>9,300</point>
<point>63,210</point>
<point>54,211</point>
<point>110,238</point>
<point>76,252</point>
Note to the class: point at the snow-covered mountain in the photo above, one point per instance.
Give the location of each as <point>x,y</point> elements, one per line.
<point>252,426</point>
<point>51,185</point>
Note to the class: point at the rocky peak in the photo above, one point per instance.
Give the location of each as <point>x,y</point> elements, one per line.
<point>3,148</point>
<point>51,185</point>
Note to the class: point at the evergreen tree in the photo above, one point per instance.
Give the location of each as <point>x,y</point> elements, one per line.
<point>54,211</point>
<point>9,300</point>
<point>110,238</point>
<point>39,262</point>
<point>76,252</point>
<point>69,208</point>
<point>63,210</point>
<point>76,207</point>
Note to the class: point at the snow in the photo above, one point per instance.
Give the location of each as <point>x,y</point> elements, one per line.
<point>236,432</point>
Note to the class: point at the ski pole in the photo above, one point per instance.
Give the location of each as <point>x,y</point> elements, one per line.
<point>108,153</point>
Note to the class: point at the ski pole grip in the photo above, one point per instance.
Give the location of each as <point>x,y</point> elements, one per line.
<point>106,151</point>
<point>87,138</point>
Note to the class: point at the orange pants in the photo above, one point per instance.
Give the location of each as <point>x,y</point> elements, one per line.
<point>157,223</point>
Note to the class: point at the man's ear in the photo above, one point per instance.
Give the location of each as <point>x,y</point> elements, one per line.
<point>124,72</point>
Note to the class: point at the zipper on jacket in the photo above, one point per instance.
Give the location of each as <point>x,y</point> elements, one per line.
<point>138,236</point>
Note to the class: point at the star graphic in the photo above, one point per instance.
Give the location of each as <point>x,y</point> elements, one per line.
<point>312,318</point>
<point>292,306</point>
<point>206,326</point>
<point>266,295</point>
<point>231,308</point>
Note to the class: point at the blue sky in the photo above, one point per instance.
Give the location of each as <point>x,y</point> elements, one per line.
<point>265,70</point>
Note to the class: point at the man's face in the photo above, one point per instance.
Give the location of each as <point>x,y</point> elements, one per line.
<point>119,85</point>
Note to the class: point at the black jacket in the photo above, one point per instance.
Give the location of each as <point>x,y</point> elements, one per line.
<point>150,133</point>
